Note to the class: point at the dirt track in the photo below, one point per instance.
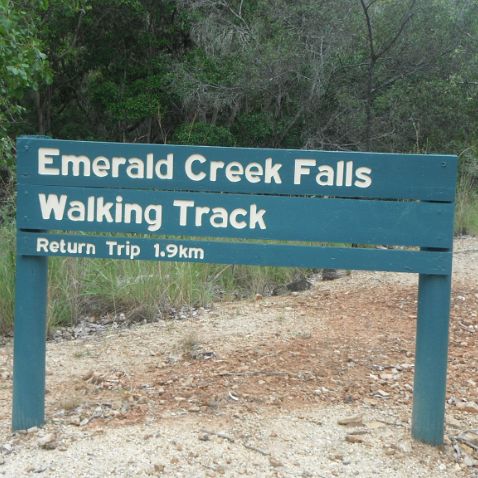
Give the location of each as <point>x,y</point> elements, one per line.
<point>256,388</point>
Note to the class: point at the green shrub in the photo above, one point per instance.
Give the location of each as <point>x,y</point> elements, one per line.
<point>142,290</point>
<point>7,276</point>
<point>466,213</point>
<point>203,134</point>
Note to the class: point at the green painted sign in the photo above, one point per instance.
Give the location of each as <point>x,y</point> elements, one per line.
<point>77,198</point>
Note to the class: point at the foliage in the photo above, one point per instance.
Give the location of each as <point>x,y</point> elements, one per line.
<point>384,75</point>
<point>7,275</point>
<point>466,214</point>
<point>203,134</point>
<point>381,75</point>
<point>22,66</point>
<point>142,290</point>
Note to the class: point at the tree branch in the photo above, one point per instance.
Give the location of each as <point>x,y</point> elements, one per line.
<point>405,19</point>
<point>369,28</point>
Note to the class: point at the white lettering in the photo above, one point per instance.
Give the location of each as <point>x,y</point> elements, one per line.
<point>340,174</point>
<point>116,163</point>
<point>326,172</point>
<point>100,167</point>
<point>301,168</point>
<point>215,165</point>
<point>233,218</point>
<point>272,172</point>
<point>256,218</point>
<point>183,210</point>
<point>363,177</point>
<point>254,171</point>
<point>76,211</point>
<point>65,247</point>
<point>153,217</point>
<point>200,211</point>
<point>103,210</point>
<point>76,162</point>
<point>234,171</point>
<point>45,159</point>
<point>164,168</point>
<point>52,204</point>
<point>42,244</point>
<point>218,217</point>
<point>188,167</point>
<point>135,168</point>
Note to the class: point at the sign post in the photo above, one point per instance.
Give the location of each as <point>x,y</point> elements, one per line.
<point>431,358</point>
<point>29,341</point>
<point>274,207</point>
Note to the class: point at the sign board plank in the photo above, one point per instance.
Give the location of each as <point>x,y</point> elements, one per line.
<point>236,215</point>
<point>236,170</point>
<point>221,252</point>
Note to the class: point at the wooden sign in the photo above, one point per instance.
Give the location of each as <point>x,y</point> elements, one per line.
<point>91,194</point>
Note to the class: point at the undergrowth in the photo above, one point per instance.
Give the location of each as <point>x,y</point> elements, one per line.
<point>466,211</point>
<point>142,290</point>
<point>7,276</point>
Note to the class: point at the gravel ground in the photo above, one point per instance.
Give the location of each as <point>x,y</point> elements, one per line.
<point>310,384</point>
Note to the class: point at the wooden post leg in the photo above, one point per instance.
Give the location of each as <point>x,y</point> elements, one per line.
<point>431,358</point>
<point>29,342</point>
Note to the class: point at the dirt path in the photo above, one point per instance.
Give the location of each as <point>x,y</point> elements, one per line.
<point>257,388</point>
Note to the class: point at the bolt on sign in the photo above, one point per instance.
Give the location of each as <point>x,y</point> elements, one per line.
<point>274,207</point>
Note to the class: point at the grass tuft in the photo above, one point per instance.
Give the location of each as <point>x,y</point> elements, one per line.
<point>142,290</point>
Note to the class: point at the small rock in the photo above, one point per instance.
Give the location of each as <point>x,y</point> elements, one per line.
<point>453,422</point>
<point>299,285</point>
<point>75,420</point>
<point>259,296</point>
<point>204,437</point>
<point>2,460</point>
<point>48,441</point>
<point>274,462</point>
<point>389,451</point>
<point>7,448</point>
<point>220,469</point>
<point>404,447</point>
<point>353,421</point>
<point>374,424</point>
<point>159,468</point>
<point>469,407</point>
<point>468,450</point>
<point>333,274</point>
<point>469,461</point>
<point>32,430</point>
<point>40,469</point>
<point>354,439</point>
<point>88,375</point>
<point>382,393</point>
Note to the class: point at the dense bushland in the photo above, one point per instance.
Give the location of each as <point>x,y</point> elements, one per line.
<point>381,75</point>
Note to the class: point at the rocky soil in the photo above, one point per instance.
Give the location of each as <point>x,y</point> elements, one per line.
<point>309,384</point>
